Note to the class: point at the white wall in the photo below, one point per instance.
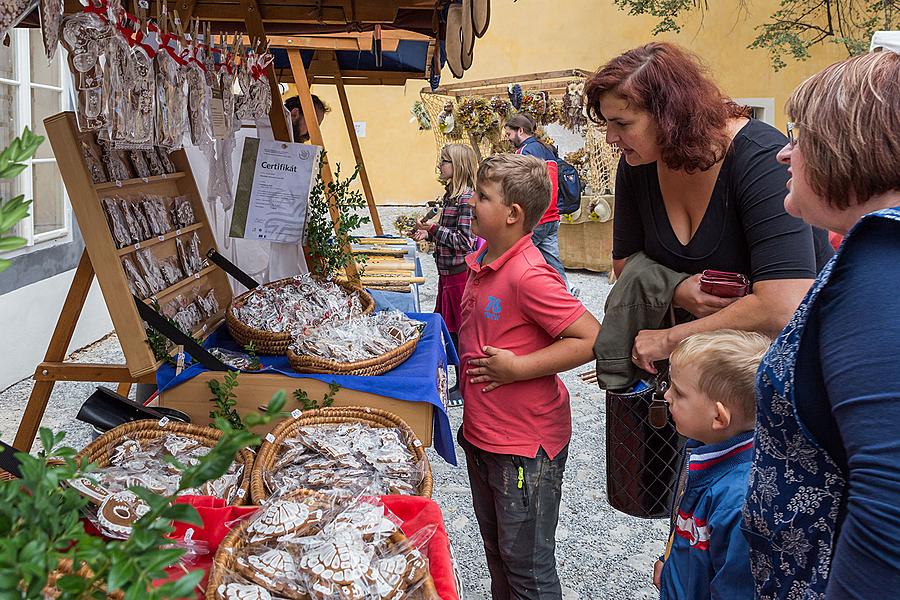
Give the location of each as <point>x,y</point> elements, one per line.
<point>29,315</point>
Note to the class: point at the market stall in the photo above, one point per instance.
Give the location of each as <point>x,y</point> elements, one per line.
<point>341,488</point>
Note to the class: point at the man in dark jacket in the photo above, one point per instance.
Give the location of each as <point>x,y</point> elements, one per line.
<point>519,130</point>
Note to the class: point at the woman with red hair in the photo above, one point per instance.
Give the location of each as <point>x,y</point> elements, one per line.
<point>699,187</point>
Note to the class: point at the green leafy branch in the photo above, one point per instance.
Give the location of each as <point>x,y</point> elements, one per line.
<point>225,400</point>
<point>307,403</point>
<point>12,163</point>
<point>40,524</point>
<point>329,249</point>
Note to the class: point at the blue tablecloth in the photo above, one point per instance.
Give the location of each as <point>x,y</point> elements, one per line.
<point>415,380</point>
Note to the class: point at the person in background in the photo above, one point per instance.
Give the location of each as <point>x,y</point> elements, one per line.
<point>453,238</point>
<point>822,513</point>
<point>698,187</point>
<point>298,124</point>
<point>519,131</point>
<point>712,399</point>
<point>520,327</point>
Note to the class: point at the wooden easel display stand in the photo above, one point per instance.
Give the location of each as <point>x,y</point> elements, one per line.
<point>103,259</point>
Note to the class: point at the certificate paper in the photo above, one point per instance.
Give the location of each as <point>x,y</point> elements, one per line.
<point>273,190</point>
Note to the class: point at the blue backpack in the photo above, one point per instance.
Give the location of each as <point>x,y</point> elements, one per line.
<point>569,183</point>
<point>570,187</point>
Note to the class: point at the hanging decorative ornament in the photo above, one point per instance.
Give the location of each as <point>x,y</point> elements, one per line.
<point>515,95</point>
<point>84,35</point>
<point>476,117</point>
<point>501,106</point>
<point>420,115</point>
<point>13,11</point>
<point>51,21</point>
<point>141,132</point>
<point>572,114</point>
<point>446,121</point>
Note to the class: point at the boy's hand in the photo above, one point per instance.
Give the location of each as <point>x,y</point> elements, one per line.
<point>419,235</point>
<point>496,367</point>
<point>421,224</point>
<point>657,573</point>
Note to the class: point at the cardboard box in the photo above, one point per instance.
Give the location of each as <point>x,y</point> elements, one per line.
<point>255,389</point>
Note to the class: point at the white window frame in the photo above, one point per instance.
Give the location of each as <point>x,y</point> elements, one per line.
<point>23,85</point>
<point>767,105</point>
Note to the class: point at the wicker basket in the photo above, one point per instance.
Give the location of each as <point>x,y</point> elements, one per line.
<point>225,559</point>
<point>99,450</point>
<point>303,363</point>
<point>268,452</point>
<point>269,342</point>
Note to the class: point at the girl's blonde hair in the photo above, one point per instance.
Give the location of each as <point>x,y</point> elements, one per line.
<point>465,165</point>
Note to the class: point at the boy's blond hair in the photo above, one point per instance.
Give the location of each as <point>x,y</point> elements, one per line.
<point>465,163</point>
<point>726,361</point>
<point>523,180</point>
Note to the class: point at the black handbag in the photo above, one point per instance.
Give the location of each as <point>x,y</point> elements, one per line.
<point>642,451</point>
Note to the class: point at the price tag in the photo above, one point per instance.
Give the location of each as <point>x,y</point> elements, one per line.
<point>296,413</point>
<point>417,444</point>
<point>137,246</point>
<point>145,4</point>
<point>196,275</point>
<point>241,493</point>
<point>177,232</point>
<point>164,421</point>
<point>270,438</point>
<point>161,238</point>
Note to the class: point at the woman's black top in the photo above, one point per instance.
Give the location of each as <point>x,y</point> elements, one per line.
<point>745,228</point>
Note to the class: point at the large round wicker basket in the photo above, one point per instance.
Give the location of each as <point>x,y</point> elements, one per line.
<point>276,343</point>
<point>100,449</point>
<point>268,452</point>
<point>225,560</point>
<point>303,363</point>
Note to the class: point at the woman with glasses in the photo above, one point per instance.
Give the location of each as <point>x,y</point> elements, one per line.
<point>698,187</point>
<point>822,514</point>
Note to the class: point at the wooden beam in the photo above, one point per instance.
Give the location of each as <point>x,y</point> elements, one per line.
<point>521,79</point>
<point>315,136</point>
<point>306,15</point>
<point>556,87</point>
<point>276,112</point>
<point>357,151</point>
<point>56,351</point>
<point>63,371</point>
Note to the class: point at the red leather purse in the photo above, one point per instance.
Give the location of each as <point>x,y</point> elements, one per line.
<point>724,284</point>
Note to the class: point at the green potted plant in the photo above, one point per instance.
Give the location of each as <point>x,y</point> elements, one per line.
<point>328,250</point>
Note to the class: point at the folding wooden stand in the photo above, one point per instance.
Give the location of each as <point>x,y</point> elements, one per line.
<point>103,258</point>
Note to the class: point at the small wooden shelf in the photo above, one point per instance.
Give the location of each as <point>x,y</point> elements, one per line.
<point>159,239</point>
<point>183,283</point>
<point>137,181</point>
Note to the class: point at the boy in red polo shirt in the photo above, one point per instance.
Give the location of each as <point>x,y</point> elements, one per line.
<point>519,328</point>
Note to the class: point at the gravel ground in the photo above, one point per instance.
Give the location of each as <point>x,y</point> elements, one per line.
<point>601,553</point>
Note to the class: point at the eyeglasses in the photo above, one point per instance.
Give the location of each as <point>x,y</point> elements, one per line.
<point>792,136</point>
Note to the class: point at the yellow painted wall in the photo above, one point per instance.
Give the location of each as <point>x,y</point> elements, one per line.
<point>543,35</point>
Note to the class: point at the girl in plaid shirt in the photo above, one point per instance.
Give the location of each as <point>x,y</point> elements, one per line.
<point>452,234</point>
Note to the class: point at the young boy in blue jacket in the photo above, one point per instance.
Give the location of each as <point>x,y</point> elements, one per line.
<point>712,399</point>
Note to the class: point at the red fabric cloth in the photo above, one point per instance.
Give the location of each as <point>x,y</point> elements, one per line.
<point>520,303</point>
<point>449,299</point>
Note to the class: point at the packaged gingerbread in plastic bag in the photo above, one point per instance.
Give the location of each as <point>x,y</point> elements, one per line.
<point>183,211</point>
<point>135,280</point>
<point>117,224</point>
<point>151,269</point>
